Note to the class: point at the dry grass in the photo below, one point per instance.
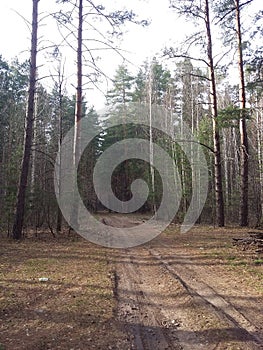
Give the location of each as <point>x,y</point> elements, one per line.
<point>75,308</point>
<point>72,310</point>
<point>214,246</point>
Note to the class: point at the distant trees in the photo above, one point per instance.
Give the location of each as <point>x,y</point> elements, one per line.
<point>122,83</point>
<point>229,14</point>
<point>226,117</point>
<point>148,87</point>
<point>199,11</point>
<point>88,160</point>
<point>254,72</point>
<point>13,86</point>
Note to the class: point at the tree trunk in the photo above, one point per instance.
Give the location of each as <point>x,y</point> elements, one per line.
<point>34,213</point>
<point>226,145</point>
<point>59,214</point>
<point>21,196</point>
<point>216,137</point>
<point>151,142</point>
<point>259,121</point>
<point>243,210</point>
<point>78,110</point>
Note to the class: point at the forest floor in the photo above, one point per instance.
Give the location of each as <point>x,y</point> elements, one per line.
<point>179,291</point>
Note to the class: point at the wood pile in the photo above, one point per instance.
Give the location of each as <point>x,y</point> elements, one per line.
<point>254,241</point>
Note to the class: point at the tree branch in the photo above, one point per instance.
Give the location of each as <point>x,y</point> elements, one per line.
<point>199,143</point>
<point>231,10</point>
<point>171,53</point>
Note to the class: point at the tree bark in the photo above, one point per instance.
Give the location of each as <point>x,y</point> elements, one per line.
<point>21,196</point>
<point>243,210</point>
<point>59,214</point>
<point>151,139</point>
<point>78,109</point>
<point>259,121</point>
<point>220,218</point>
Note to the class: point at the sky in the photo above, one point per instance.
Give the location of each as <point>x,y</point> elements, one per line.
<point>138,43</point>
<point>144,41</point>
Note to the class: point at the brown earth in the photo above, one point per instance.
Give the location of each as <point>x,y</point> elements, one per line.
<point>180,291</point>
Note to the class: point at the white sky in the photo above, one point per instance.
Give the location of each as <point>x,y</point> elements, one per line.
<point>140,43</point>
<point>15,34</point>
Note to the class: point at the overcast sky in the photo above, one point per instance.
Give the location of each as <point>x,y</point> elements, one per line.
<point>142,41</point>
<point>138,43</point>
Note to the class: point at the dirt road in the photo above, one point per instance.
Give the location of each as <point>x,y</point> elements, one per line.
<point>178,292</point>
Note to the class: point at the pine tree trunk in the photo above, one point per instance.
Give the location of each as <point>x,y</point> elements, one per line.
<point>225,155</point>
<point>78,111</point>
<point>242,126</point>
<point>220,219</point>
<point>151,143</point>
<point>259,121</point>
<point>59,214</point>
<point>33,159</point>
<point>21,196</point>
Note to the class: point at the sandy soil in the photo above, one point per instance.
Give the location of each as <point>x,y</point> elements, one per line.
<point>180,291</point>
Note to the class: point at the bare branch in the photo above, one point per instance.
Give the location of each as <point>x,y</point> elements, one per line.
<point>171,54</point>
<point>199,76</point>
<point>28,24</point>
<point>222,56</point>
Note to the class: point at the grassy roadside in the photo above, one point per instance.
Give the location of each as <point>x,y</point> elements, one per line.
<point>73,309</point>
<point>214,246</point>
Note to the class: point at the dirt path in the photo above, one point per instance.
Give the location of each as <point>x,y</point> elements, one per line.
<point>180,291</point>
<point>147,311</point>
<point>171,297</point>
<point>140,310</point>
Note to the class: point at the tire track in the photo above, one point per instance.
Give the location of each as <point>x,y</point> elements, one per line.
<point>207,320</point>
<point>139,315</point>
<point>201,291</point>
